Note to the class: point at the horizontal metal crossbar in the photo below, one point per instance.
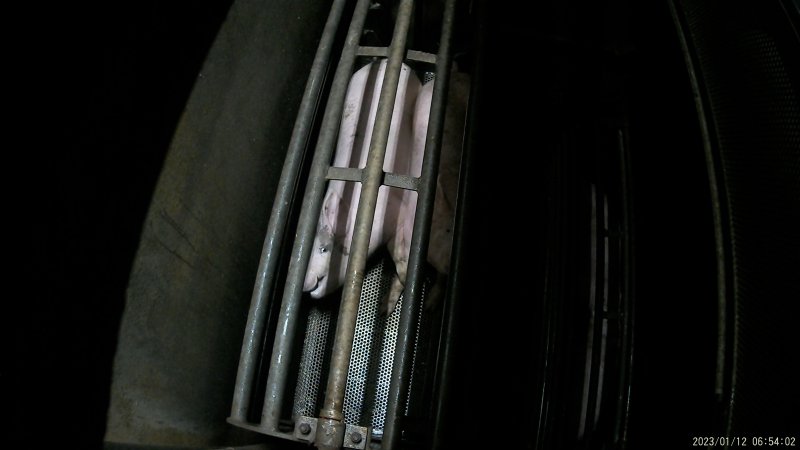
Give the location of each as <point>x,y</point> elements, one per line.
<point>411,55</point>
<point>389,179</point>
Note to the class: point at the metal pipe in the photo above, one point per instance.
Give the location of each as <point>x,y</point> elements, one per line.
<point>312,204</point>
<point>401,369</point>
<point>628,289</point>
<point>265,277</point>
<point>331,413</point>
<point>461,234</point>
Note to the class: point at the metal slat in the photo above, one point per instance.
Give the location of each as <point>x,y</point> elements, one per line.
<point>383,52</point>
<point>401,181</point>
<point>357,175</point>
<point>344,174</point>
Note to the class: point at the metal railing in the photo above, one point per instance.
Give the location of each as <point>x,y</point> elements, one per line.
<point>330,427</point>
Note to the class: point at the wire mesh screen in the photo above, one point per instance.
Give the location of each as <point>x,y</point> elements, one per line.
<point>371,360</point>
<point>749,60</point>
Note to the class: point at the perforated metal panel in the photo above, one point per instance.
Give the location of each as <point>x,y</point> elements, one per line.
<point>371,360</point>
<point>748,59</point>
<point>318,340</point>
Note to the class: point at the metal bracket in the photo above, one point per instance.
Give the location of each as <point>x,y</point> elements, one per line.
<point>357,437</point>
<point>344,174</point>
<point>383,52</point>
<point>401,181</point>
<point>305,429</point>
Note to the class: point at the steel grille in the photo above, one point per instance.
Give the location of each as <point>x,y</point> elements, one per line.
<point>748,62</point>
<point>367,381</point>
<point>318,339</point>
<point>371,360</point>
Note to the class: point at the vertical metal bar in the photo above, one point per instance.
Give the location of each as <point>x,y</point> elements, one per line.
<point>256,318</point>
<point>628,290</point>
<point>312,204</point>
<point>461,233</point>
<point>331,427</point>
<point>586,401</point>
<point>401,369</point>
<point>718,203</point>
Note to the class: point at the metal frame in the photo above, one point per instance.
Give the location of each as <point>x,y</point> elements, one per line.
<point>265,277</point>
<point>329,430</point>
<point>401,371</point>
<point>312,204</point>
<point>461,230</point>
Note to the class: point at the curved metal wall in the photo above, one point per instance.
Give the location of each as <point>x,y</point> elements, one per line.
<point>189,289</point>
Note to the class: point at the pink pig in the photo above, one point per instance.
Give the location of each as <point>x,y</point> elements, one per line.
<point>441,237</point>
<point>328,264</point>
<point>394,217</point>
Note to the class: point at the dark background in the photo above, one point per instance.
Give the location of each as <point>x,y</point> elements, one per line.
<point>97,91</point>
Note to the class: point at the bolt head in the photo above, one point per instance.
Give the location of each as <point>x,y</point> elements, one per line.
<point>355,437</point>
<point>304,428</point>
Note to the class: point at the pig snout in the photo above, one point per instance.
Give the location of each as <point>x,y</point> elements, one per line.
<point>312,282</point>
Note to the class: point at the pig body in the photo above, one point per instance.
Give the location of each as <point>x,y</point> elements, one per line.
<point>330,253</point>
<point>441,237</point>
<point>396,209</point>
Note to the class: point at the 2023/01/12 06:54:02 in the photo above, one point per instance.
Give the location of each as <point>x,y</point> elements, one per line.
<point>744,441</point>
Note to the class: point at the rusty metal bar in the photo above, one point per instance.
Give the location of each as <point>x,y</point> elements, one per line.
<point>312,204</point>
<point>404,348</point>
<point>330,431</point>
<point>265,277</point>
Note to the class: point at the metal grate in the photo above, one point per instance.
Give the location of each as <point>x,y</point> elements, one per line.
<point>749,65</point>
<point>371,360</point>
<point>318,339</point>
